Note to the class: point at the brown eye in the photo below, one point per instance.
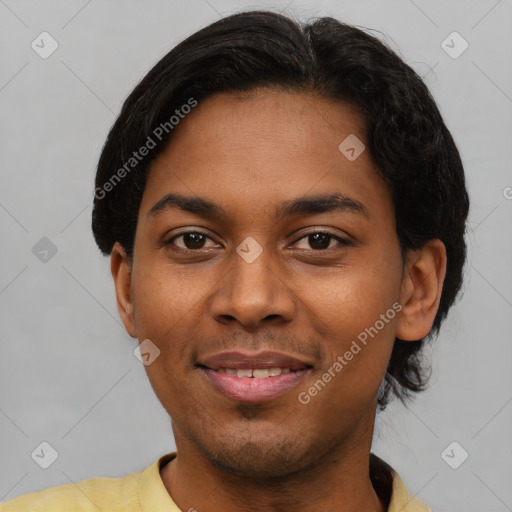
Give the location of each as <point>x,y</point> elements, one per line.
<point>191,240</point>
<point>321,241</point>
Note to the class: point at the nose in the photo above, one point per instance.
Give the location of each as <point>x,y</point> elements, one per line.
<point>252,294</point>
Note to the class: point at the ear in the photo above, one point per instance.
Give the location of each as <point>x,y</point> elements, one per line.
<point>121,268</point>
<point>422,284</point>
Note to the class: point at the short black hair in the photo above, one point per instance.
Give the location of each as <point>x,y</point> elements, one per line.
<point>405,134</point>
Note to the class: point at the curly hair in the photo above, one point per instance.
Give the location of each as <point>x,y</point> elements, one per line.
<point>406,136</point>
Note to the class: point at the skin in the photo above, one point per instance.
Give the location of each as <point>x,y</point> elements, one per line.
<point>249,153</point>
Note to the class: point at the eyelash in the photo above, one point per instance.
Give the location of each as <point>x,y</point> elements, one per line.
<point>342,241</point>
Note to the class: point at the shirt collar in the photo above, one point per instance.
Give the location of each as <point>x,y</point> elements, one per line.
<point>153,494</point>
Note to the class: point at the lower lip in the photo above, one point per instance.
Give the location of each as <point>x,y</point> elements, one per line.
<point>252,389</point>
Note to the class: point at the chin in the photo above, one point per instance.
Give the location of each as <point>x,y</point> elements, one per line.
<point>260,454</point>
<point>254,461</point>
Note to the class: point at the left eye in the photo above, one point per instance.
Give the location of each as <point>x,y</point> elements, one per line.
<point>321,241</point>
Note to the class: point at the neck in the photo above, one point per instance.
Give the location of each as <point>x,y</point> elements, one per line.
<point>338,481</point>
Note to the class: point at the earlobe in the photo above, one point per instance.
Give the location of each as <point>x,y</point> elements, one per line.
<point>422,284</point>
<point>121,269</point>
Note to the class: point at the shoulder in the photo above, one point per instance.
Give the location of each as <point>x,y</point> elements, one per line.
<point>391,489</point>
<point>402,501</point>
<point>86,496</point>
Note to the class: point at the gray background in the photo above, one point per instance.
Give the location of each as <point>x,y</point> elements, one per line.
<point>68,375</point>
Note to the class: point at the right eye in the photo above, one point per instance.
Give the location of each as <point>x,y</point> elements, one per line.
<point>191,241</point>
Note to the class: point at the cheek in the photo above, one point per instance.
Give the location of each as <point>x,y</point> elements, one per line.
<point>165,301</point>
<point>170,309</point>
<point>160,315</point>
<point>356,315</point>
<point>352,299</point>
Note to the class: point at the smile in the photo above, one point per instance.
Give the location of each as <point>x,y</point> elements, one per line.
<point>254,385</point>
<point>255,377</point>
<point>257,373</point>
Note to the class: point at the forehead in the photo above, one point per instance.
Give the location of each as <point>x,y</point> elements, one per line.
<point>255,150</point>
<point>295,122</point>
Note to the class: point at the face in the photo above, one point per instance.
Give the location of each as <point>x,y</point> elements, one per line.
<point>269,272</point>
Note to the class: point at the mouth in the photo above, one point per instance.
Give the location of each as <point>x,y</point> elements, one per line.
<point>253,378</point>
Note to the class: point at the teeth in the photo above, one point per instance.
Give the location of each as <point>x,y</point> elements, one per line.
<point>258,373</point>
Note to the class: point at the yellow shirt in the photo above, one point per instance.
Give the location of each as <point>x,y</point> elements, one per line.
<point>143,492</point>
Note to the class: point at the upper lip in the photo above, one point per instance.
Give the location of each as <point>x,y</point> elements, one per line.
<point>240,360</point>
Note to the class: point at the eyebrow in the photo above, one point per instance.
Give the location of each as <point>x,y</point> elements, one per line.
<point>307,205</point>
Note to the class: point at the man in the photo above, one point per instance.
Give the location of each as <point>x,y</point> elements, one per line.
<point>284,211</point>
